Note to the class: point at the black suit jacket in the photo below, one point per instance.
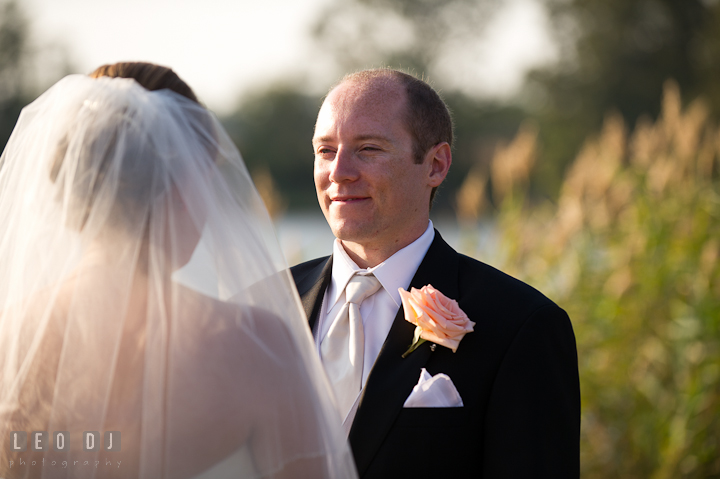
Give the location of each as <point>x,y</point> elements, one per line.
<point>516,373</point>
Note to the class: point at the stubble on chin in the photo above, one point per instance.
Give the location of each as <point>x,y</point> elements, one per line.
<point>346,227</point>
<point>345,232</point>
<point>348,232</point>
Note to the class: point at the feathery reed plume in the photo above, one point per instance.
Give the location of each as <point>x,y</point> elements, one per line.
<point>269,193</point>
<point>511,165</point>
<point>632,251</point>
<point>470,198</point>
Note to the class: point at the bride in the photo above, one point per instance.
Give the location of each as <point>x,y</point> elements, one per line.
<point>144,304</point>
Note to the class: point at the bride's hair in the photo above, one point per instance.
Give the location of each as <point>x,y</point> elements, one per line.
<point>152,77</point>
<point>95,146</point>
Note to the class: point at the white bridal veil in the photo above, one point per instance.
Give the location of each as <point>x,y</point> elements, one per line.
<point>142,293</point>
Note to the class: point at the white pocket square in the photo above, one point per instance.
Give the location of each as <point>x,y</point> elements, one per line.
<point>434,391</point>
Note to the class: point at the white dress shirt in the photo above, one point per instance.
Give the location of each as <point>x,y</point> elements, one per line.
<point>379,310</point>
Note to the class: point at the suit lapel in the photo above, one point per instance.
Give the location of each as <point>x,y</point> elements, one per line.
<point>392,377</point>
<point>312,289</point>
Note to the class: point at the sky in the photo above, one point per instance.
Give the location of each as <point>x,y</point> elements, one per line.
<point>227,48</point>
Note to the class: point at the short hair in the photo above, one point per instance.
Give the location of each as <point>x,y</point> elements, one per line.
<point>427,117</point>
<point>152,77</point>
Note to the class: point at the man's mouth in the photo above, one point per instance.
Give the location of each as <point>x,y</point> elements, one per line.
<point>348,199</point>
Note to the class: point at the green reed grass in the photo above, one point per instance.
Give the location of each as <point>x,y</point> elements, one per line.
<point>631,250</point>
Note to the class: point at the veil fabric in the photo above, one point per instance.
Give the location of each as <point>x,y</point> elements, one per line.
<point>142,292</point>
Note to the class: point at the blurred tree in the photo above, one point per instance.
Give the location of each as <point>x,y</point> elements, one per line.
<point>616,55</point>
<point>421,37</point>
<point>481,127</point>
<point>409,34</point>
<point>418,37</point>
<point>273,130</point>
<point>13,66</point>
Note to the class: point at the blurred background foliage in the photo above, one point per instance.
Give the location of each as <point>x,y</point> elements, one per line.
<point>614,55</point>
<point>14,54</point>
<point>632,251</point>
<point>600,183</point>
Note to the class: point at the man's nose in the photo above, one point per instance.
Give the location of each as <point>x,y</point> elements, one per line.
<point>343,167</point>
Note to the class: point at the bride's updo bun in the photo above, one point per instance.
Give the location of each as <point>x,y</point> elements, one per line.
<point>152,77</point>
<point>114,126</point>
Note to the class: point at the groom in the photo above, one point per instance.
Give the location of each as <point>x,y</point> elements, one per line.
<point>508,405</point>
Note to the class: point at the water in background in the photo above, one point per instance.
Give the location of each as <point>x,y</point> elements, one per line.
<point>305,235</point>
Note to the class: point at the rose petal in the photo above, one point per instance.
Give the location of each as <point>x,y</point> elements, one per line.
<point>447,342</point>
<point>408,310</point>
<point>439,317</point>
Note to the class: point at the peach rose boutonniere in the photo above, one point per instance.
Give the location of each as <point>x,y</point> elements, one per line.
<point>438,318</point>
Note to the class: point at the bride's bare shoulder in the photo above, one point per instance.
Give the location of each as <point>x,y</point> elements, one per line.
<point>224,326</point>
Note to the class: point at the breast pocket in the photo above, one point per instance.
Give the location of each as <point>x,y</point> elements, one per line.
<point>432,417</point>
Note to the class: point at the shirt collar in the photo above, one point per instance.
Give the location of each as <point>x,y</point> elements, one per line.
<point>395,272</point>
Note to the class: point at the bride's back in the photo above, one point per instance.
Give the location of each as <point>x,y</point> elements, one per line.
<point>141,298</point>
<point>209,412</point>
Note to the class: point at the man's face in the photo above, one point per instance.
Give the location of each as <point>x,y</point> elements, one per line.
<point>369,187</point>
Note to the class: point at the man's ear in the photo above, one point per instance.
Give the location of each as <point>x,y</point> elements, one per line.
<point>440,158</point>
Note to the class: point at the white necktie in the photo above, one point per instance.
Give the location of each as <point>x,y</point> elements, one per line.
<point>343,348</point>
